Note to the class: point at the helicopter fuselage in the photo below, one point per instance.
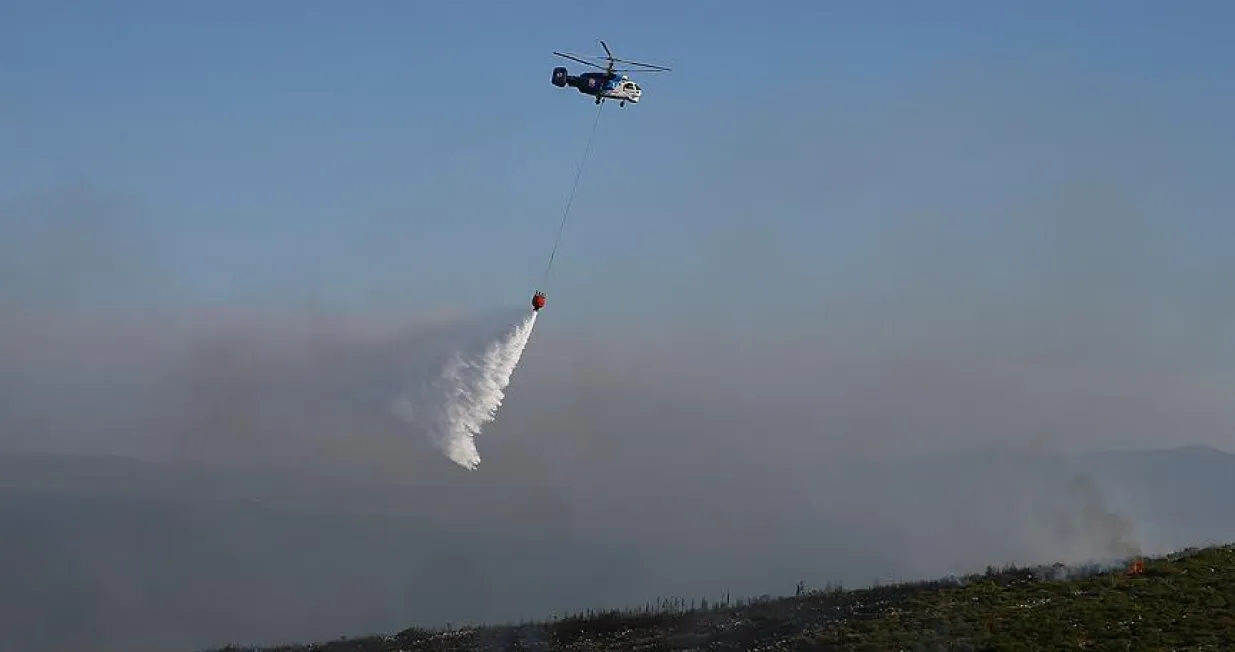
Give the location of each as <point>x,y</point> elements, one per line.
<point>601,85</point>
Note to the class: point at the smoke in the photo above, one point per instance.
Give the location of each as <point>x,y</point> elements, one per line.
<point>454,407</point>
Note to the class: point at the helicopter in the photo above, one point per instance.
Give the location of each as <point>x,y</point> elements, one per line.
<point>607,85</point>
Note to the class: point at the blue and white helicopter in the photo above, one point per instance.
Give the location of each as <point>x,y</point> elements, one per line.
<point>607,85</point>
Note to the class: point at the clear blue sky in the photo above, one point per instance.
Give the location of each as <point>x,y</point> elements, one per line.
<point>370,153</point>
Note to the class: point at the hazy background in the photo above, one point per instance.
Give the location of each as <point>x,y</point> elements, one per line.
<point>869,283</point>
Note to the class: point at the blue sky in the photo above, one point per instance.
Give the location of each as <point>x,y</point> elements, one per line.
<point>388,155</point>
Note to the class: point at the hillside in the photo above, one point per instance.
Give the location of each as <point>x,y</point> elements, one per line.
<point>1184,601</point>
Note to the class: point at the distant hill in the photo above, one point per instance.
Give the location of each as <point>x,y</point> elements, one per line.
<point>1158,500</point>
<point>1179,602</point>
<point>1185,491</point>
<point>114,553</point>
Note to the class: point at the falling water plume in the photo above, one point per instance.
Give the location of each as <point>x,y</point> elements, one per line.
<point>455,406</point>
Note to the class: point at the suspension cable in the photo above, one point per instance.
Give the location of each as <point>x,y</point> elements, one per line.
<point>566,213</point>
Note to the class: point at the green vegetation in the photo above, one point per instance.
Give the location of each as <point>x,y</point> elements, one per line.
<point>1184,601</point>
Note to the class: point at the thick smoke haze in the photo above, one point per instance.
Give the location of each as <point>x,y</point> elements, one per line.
<point>736,412</point>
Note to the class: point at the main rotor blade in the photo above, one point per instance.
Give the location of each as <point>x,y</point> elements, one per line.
<point>606,47</point>
<point>574,58</point>
<point>645,65</point>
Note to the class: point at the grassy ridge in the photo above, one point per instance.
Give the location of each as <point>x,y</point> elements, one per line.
<point>1184,601</point>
